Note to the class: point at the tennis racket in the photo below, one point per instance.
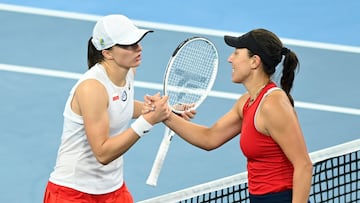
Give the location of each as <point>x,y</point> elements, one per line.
<point>189,77</point>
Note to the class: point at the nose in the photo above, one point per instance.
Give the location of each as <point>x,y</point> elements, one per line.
<point>229,58</point>
<point>139,47</point>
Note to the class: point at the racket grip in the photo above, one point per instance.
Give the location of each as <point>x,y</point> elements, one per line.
<point>159,159</point>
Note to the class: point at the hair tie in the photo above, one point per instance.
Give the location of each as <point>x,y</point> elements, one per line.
<point>285,51</point>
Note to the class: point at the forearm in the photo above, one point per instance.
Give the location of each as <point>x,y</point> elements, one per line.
<point>138,105</point>
<point>106,148</point>
<point>116,146</point>
<point>302,183</point>
<point>192,133</point>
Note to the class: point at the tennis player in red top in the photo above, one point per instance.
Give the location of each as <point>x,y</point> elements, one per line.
<point>279,167</point>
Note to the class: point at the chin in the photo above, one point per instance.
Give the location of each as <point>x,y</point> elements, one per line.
<point>137,64</point>
<point>235,80</point>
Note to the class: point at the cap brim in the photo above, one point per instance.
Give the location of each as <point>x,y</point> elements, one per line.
<point>137,38</point>
<point>230,40</point>
<point>234,41</point>
<point>143,35</point>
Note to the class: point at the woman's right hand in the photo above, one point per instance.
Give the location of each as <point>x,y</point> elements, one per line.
<point>156,108</point>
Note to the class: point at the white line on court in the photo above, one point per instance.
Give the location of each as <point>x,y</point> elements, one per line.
<point>171,27</point>
<point>157,86</point>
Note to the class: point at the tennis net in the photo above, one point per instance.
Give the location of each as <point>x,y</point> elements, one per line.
<point>336,179</point>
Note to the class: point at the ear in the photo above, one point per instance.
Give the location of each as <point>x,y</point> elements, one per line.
<point>107,54</point>
<point>255,61</point>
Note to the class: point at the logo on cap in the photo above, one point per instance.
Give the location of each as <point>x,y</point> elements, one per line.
<point>102,42</point>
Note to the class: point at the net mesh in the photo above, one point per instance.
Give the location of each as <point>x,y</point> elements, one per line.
<point>336,179</point>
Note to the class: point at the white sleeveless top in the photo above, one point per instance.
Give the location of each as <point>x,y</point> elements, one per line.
<point>76,166</point>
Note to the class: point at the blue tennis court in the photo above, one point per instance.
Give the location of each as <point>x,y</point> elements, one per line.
<point>44,51</point>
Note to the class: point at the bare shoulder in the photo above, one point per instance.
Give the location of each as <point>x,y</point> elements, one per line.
<point>276,107</point>
<point>275,111</point>
<point>91,93</point>
<point>91,86</point>
<point>275,100</point>
<point>239,105</point>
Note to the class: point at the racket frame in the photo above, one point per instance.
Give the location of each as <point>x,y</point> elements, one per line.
<point>168,134</point>
<point>173,58</point>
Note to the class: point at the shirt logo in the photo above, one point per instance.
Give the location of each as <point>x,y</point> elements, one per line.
<point>124,96</point>
<point>115,97</point>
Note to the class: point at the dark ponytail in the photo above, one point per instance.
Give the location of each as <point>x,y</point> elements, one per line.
<point>94,56</point>
<point>290,64</point>
<point>274,50</point>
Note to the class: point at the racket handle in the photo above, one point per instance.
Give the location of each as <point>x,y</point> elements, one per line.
<point>160,157</point>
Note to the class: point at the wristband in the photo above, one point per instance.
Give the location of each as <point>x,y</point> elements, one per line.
<point>141,126</point>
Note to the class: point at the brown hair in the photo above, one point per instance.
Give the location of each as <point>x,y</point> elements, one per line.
<point>94,56</point>
<point>274,48</point>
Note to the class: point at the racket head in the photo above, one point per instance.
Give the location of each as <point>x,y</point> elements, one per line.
<point>190,73</point>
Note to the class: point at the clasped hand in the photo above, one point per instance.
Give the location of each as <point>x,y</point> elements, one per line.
<point>152,102</point>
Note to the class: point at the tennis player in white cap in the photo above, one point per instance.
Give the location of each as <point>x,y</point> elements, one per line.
<point>97,128</point>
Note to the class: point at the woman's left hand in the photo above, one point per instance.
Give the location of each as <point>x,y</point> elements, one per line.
<point>187,114</point>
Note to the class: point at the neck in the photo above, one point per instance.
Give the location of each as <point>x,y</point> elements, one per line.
<point>256,89</point>
<point>116,75</point>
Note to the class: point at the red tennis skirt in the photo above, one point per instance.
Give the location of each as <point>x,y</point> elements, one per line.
<point>60,194</point>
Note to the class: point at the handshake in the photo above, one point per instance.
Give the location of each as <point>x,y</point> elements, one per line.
<point>156,109</point>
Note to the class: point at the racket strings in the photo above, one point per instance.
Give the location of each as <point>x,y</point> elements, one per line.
<point>191,73</point>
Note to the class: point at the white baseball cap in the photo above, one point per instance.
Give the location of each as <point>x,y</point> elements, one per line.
<point>116,29</point>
